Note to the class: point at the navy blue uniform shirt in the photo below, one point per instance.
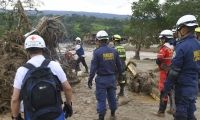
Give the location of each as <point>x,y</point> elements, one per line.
<point>104,60</point>
<point>186,57</point>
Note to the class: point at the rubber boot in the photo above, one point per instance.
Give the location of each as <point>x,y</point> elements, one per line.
<point>170,112</point>
<point>86,69</point>
<point>162,108</point>
<point>121,92</point>
<point>101,116</point>
<point>112,115</point>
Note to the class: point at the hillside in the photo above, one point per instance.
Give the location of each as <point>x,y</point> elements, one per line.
<point>99,15</point>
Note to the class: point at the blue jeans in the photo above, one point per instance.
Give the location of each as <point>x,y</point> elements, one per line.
<point>105,88</point>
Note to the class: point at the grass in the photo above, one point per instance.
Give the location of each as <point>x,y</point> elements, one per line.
<point>99,26</point>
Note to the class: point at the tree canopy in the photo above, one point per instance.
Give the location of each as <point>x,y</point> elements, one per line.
<point>149,18</point>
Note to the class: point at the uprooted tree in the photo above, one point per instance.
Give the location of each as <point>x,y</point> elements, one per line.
<point>13,54</point>
<point>143,82</point>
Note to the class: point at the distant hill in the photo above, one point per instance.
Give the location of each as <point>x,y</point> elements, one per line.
<point>99,15</point>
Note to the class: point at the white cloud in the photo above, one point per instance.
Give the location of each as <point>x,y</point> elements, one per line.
<point>101,6</point>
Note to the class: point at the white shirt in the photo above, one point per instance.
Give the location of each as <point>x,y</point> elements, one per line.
<point>37,61</point>
<point>77,47</point>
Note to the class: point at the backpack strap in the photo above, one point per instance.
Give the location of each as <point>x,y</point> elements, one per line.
<point>46,62</point>
<point>29,66</point>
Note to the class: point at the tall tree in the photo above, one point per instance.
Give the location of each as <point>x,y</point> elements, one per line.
<point>144,22</point>
<point>174,9</point>
<point>11,9</point>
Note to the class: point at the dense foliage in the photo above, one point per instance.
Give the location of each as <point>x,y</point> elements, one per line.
<point>149,18</point>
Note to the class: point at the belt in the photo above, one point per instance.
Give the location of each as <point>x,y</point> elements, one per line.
<point>105,75</point>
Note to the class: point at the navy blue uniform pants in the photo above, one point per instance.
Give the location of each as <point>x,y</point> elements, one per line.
<point>105,88</point>
<point>185,97</point>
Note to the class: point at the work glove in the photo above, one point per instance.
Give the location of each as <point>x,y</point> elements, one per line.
<point>19,117</point>
<point>90,84</point>
<point>67,109</point>
<point>163,96</point>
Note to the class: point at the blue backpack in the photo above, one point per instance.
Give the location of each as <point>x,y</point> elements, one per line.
<point>41,92</point>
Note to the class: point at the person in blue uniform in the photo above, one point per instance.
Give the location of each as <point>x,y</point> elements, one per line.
<point>103,64</point>
<point>184,69</point>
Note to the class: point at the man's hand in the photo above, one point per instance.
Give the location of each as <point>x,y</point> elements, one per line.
<point>67,109</point>
<point>163,96</point>
<point>19,117</point>
<point>90,84</point>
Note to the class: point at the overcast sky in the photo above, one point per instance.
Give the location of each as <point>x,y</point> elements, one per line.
<point>122,7</point>
<point>102,6</point>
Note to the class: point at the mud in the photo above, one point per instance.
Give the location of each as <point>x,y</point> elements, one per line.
<point>132,106</point>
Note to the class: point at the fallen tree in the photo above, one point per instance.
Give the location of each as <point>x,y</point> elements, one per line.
<point>142,82</point>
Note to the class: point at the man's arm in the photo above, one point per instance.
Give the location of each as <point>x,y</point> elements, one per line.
<point>68,92</point>
<point>15,102</point>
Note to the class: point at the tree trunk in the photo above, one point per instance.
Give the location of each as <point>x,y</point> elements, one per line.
<point>137,52</point>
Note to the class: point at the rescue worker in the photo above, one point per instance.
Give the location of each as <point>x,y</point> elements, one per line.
<point>184,69</point>
<point>197,33</point>
<point>34,45</point>
<point>163,61</point>
<point>81,55</point>
<point>122,54</point>
<point>103,64</point>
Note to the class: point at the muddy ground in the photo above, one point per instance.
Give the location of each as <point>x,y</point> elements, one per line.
<point>132,106</point>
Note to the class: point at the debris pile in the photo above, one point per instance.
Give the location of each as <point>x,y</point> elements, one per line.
<point>13,54</point>
<point>143,82</point>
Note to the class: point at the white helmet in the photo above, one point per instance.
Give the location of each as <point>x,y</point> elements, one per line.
<point>78,38</point>
<point>102,35</point>
<point>34,41</point>
<point>166,33</point>
<point>187,20</point>
<point>173,30</point>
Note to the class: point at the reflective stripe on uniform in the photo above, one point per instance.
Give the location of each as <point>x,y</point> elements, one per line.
<point>121,51</point>
<point>123,81</point>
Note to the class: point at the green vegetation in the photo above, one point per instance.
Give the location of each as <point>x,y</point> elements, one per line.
<point>149,18</point>
<point>78,25</point>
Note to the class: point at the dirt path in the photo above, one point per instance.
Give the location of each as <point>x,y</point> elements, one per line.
<point>132,106</point>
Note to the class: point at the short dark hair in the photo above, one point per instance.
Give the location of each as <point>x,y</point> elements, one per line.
<point>190,29</point>
<point>34,50</point>
<point>103,41</point>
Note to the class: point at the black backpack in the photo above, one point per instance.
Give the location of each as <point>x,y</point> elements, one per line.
<point>41,92</point>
